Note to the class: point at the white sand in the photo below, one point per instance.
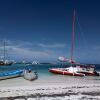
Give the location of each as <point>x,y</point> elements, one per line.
<point>59,87</point>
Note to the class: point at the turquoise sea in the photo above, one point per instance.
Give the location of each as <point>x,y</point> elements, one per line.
<point>45,77</point>
<point>41,69</point>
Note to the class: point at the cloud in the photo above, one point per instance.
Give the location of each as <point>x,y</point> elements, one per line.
<point>24,53</point>
<point>28,50</point>
<point>52,45</point>
<point>23,44</point>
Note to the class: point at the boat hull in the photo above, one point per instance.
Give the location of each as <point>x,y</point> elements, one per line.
<point>5,64</point>
<point>62,72</point>
<point>10,74</point>
<point>30,75</point>
<point>90,73</point>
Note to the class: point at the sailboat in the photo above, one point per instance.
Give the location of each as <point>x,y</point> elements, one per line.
<point>4,61</point>
<point>75,69</point>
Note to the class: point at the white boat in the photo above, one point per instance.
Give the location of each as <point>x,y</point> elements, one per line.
<point>30,75</point>
<point>35,62</point>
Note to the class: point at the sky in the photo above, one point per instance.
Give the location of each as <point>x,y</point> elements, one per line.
<point>42,29</point>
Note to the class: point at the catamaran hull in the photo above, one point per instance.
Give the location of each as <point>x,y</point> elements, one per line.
<point>90,73</point>
<point>61,72</point>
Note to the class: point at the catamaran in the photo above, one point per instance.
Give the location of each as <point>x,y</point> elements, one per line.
<point>75,69</point>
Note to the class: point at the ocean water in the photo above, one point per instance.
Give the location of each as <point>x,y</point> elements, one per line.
<point>41,69</point>
<point>45,77</point>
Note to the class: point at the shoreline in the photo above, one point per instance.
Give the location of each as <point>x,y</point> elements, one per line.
<point>54,87</point>
<point>50,91</point>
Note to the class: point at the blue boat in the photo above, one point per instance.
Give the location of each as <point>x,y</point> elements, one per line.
<point>11,74</point>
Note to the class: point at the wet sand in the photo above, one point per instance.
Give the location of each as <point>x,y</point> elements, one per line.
<point>56,87</point>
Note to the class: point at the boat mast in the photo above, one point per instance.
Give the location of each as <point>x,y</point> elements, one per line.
<point>72,48</point>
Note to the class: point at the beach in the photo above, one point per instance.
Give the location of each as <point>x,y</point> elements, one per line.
<point>49,49</point>
<point>54,87</point>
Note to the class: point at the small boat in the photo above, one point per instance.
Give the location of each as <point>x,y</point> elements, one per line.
<point>30,75</point>
<point>35,62</point>
<point>5,63</point>
<point>10,74</point>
